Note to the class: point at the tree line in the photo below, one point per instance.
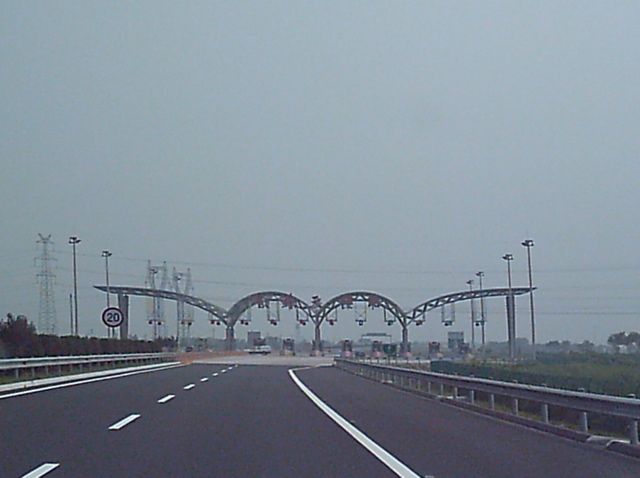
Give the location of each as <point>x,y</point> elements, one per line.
<point>18,338</point>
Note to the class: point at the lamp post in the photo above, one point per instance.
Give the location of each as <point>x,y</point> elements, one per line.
<point>106,254</point>
<point>473,316</point>
<point>511,325</point>
<point>480,275</point>
<point>528,243</point>
<point>74,241</point>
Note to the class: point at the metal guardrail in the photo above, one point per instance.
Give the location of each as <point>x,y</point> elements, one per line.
<point>583,402</point>
<point>69,361</point>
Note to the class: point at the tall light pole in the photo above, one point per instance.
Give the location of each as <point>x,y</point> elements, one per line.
<point>473,316</point>
<point>528,243</point>
<point>106,254</point>
<point>511,326</point>
<point>74,241</point>
<point>480,275</point>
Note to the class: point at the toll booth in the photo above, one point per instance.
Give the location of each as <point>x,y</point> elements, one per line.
<point>347,349</point>
<point>288,347</point>
<point>376,349</point>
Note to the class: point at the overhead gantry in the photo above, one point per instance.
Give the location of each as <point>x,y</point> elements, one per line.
<point>318,312</point>
<point>267,300</point>
<point>122,292</point>
<point>372,300</point>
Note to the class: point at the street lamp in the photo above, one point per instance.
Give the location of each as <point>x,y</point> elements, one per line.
<point>73,240</point>
<point>473,316</point>
<point>511,325</point>
<point>480,275</point>
<point>106,254</point>
<point>528,243</point>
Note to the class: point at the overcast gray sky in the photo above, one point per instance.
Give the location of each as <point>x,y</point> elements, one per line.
<point>320,147</point>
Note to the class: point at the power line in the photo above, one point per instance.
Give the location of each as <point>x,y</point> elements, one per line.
<point>218,265</point>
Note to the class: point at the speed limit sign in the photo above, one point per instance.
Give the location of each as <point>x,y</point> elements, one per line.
<point>112,317</point>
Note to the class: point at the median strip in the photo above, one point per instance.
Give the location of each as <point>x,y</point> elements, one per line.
<point>41,470</point>
<point>124,422</point>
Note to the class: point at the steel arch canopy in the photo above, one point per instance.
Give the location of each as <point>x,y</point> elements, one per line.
<point>218,312</point>
<point>372,299</point>
<point>420,311</point>
<point>262,299</point>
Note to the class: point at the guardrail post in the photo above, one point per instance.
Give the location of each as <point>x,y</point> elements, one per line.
<point>455,393</point>
<point>442,389</point>
<point>492,401</point>
<point>515,406</point>
<point>429,387</point>
<point>633,432</point>
<point>472,397</point>
<point>584,422</point>
<point>544,412</point>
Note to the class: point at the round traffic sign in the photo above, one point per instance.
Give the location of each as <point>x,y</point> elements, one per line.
<point>112,317</point>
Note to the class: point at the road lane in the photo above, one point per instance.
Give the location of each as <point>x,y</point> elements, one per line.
<point>445,441</point>
<point>249,421</point>
<point>40,427</point>
<point>254,421</point>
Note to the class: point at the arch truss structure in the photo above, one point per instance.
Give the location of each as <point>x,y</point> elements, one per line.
<point>218,312</point>
<point>317,312</point>
<point>391,310</point>
<point>418,314</point>
<point>271,301</point>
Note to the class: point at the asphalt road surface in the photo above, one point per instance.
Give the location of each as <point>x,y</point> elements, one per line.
<point>217,420</point>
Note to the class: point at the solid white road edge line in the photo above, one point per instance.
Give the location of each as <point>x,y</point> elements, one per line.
<point>166,398</point>
<point>189,387</point>
<point>124,422</point>
<point>380,453</point>
<point>41,470</point>
<point>204,379</point>
<point>90,380</point>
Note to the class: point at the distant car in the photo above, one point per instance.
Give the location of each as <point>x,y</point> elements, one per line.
<point>260,349</point>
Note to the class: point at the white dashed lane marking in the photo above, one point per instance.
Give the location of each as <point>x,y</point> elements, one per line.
<point>41,470</point>
<point>166,398</point>
<point>124,422</point>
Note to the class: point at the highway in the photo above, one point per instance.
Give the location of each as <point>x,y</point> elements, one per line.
<point>223,420</point>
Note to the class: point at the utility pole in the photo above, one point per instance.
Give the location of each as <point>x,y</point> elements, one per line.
<point>473,316</point>
<point>47,318</point>
<point>480,275</point>
<point>511,322</point>
<point>74,241</point>
<point>528,243</point>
